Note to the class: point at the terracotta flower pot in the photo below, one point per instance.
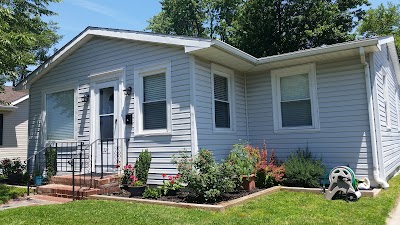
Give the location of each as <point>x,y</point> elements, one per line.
<point>134,190</point>
<point>249,182</point>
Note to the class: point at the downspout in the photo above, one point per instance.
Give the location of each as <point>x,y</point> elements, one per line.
<point>371,116</point>
<point>246,109</point>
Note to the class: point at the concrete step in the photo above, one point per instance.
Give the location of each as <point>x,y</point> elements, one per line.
<point>80,180</point>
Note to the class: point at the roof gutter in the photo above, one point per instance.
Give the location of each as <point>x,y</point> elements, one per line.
<point>372,127</point>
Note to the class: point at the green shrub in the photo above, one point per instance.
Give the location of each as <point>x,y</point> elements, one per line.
<point>152,193</point>
<point>7,193</point>
<point>240,156</point>
<point>14,166</point>
<point>302,169</point>
<point>51,162</point>
<point>206,179</point>
<point>142,165</point>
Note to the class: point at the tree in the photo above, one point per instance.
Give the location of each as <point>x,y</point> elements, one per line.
<point>269,27</point>
<point>382,21</point>
<point>198,18</point>
<point>25,38</point>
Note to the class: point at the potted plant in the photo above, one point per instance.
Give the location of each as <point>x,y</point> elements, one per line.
<point>38,177</point>
<point>171,186</point>
<point>130,182</point>
<point>134,179</point>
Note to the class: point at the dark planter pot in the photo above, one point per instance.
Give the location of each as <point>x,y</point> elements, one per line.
<point>134,190</point>
<point>14,178</point>
<point>249,182</point>
<point>172,192</point>
<point>38,180</point>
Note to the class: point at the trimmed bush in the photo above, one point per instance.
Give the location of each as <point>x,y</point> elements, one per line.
<point>302,169</point>
<point>142,165</point>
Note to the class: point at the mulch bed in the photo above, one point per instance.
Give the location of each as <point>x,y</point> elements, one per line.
<point>186,197</point>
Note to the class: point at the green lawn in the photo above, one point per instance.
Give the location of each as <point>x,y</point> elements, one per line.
<point>7,193</point>
<point>277,208</point>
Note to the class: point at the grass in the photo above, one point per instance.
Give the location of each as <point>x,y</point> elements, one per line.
<point>278,208</point>
<point>8,192</point>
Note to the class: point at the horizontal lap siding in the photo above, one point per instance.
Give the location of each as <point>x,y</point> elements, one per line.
<point>15,132</point>
<point>103,54</point>
<point>219,143</point>
<point>344,137</point>
<point>390,137</point>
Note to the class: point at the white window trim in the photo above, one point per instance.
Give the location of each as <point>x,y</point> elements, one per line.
<point>386,100</point>
<point>139,73</point>
<point>230,75</point>
<point>55,89</point>
<point>397,109</point>
<point>310,69</point>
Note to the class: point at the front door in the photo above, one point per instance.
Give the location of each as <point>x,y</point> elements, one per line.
<point>108,150</point>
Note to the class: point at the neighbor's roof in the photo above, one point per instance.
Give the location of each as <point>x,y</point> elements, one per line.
<point>218,51</point>
<point>11,96</point>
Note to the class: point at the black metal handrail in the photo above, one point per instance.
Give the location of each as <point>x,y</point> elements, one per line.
<point>104,162</point>
<point>52,158</point>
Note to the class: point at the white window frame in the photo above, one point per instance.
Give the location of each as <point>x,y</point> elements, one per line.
<point>230,75</point>
<point>309,69</point>
<point>397,108</point>
<point>386,100</point>
<point>139,74</point>
<point>65,87</point>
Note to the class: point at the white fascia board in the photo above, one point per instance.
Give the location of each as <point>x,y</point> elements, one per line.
<point>234,51</point>
<point>7,108</point>
<point>19,100</point>
<point>319,50</point>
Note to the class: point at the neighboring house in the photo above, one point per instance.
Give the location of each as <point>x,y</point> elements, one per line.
<point>172,94</point>
<point>14,110</point>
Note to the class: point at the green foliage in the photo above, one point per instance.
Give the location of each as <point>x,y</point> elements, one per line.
<point>51,162</point>
<point>270,27</point>
<point>25,38</point>
<point>206,179</point>
<point>14,166</point>
<point>128,176</point>
<point>142,165</point>
<point>382,21</point>
<point>198,18</point>
<point>172,184</point>
<point>153,193</point>
<point>242,159</point>
<point>302,169</point>
<point>7,193</point>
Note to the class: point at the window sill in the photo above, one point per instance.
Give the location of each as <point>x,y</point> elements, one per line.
<point>153,133</point>
<point>223,131</point>
<point>297,130</point>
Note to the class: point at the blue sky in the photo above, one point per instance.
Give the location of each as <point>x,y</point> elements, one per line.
<point>76,15</point>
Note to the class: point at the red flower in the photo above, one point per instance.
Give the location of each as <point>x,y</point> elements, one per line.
<point>117,166</point>
<point>169,177</point>
<point>172,182</point>
<point>164,175</point>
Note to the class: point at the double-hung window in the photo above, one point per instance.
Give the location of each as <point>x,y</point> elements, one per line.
<point>222,98</point>
<point>295,98</point>
<point>60,115</point>
<point>153,99</point>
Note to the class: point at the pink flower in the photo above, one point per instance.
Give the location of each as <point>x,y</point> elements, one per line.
<point>134,178</point>
<point>172,182</point>
<point>169,177</point>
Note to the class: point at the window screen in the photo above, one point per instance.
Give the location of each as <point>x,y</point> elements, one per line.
<point>60,115</point>
<point>154,102</point>
<point>221,102</point>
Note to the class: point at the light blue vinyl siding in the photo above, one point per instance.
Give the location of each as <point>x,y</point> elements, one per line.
<point>344,137</point>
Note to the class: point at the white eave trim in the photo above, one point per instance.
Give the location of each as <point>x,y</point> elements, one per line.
<point>8,108</point>
<point>19,100</point>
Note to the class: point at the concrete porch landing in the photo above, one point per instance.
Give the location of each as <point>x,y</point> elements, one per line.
<point>61,186</point>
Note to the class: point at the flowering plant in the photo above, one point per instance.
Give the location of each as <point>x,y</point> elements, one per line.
<point>172,184</point>
<point>9,167</point>
<point>128,176</point>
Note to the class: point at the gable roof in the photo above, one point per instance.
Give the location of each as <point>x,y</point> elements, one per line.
<point>217,51</point>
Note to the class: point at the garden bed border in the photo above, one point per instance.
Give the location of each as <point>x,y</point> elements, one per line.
<point>226,204</point>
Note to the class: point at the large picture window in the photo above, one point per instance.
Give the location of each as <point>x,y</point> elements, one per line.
<point>294,98</point>
<point>60,115</point>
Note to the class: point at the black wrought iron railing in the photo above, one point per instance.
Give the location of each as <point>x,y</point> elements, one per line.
<point>53,158</point>
<point>96,160</point>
